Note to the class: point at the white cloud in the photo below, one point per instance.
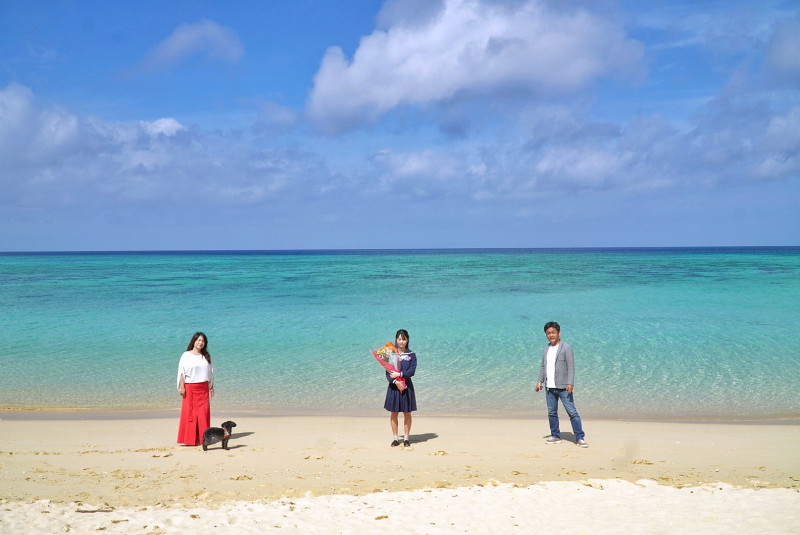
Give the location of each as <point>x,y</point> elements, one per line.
<point>784,48</point>
<point>427,164</point>
<point>207,38</point>
<point>16,111</point>
<point>783,132</point>
<point>470,46</point>
<point>30,136</point>
<point>166,126</point>
<point>585,167</point>
<point>50,157</point>
<point>780,146</point>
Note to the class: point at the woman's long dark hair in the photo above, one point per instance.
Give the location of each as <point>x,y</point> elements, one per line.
<point>204,351</point>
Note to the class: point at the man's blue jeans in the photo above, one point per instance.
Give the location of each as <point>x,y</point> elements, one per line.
<point>553,395</point>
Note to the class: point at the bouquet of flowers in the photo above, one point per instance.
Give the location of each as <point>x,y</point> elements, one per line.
<point>387,357</point>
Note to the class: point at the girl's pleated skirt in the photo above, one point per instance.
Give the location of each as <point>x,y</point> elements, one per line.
<point>397,401</point>
<point>195,414</point>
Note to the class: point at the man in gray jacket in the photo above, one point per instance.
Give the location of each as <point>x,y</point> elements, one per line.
<point>558,377</point>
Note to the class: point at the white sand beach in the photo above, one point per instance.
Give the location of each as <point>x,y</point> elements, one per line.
<point>78,474</point>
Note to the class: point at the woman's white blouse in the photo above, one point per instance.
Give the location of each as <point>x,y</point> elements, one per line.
<point>195,369</point>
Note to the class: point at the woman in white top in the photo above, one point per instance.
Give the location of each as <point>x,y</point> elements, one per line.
<point>196,387</point>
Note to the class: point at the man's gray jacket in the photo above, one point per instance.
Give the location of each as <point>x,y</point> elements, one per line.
<point>565,366</point>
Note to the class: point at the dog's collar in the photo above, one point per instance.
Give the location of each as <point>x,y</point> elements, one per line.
<point>227,434</point>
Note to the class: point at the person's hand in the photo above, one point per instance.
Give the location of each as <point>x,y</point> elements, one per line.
<point>211,392</point>
<point>394,375</point>
<point>538,387</point>
<point>569,389</point>
<point>182,392</point>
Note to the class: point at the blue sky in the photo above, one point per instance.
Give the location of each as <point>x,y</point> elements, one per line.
<point>398,124</point>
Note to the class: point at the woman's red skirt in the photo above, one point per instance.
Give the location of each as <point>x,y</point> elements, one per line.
<point>195,414</point>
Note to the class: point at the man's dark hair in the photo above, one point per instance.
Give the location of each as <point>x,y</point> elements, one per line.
<point>552,324</point>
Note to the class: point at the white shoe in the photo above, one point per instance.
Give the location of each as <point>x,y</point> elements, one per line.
<point>553,440</point>
<point>582,443</point>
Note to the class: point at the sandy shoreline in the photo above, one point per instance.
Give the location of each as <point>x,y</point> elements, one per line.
<point>134,465</point>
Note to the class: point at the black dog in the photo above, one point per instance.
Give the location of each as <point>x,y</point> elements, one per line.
<point>223,433</point>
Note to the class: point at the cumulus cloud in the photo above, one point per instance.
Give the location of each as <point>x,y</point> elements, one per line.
<point>49,156</point>
<point>203,38</point>
<point>166,126</point>
<point>467,47</point>
<point>30,136</point>
<point>551,153</point>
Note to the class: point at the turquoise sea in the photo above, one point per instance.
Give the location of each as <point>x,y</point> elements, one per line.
<point>696,334</point>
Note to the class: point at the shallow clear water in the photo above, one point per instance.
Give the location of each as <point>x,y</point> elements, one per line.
<point>661,333</point>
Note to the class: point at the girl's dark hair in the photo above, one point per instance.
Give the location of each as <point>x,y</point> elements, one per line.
<point>405,335</point>
<point>204,351</point>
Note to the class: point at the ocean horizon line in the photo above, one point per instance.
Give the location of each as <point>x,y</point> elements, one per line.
<point>419,251</point>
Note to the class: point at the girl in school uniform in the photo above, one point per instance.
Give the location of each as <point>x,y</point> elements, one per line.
<point>397,400</point>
